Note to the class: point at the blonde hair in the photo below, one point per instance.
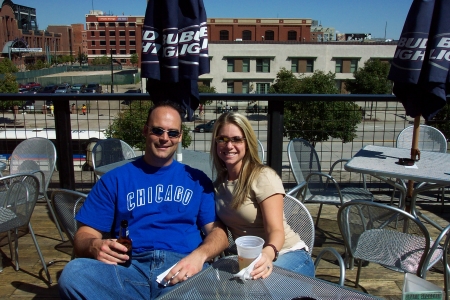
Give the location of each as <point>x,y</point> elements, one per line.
<point>251,163</point>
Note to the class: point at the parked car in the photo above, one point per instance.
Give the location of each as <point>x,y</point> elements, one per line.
<point>29,85</point>
<point>128,102</point>
<point>29,105</point>
<point>48,89</point>
<point>93,88</point>
<point>23,90</point>
<point>64,89</point>
<point>34,89</point>
<point>254,109</point>
<point>206,127</point>
<point>77,88</point>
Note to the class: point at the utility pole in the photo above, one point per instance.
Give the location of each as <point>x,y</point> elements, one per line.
<point>112,73</point>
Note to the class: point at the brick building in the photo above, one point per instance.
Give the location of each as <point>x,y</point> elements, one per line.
<point>119,36</point>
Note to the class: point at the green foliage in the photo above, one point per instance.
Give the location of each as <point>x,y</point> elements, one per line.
<point>82,58</point>
<point>7,66</point>
<point>38,65</point>
<point>101,61</point>
<point>204,89</point>
<point>316,121</point>
<point>134,59</point>
<point>129,124</point>
<point>9,85</point>
<point>371,79</point>
<point>442,121</point>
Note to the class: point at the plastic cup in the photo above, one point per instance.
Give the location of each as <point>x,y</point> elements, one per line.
<point>248,248</point>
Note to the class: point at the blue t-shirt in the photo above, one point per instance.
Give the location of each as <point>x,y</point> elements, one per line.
<point>165,207</point>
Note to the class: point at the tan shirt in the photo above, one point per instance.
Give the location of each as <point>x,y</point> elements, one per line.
<point>247,219</point>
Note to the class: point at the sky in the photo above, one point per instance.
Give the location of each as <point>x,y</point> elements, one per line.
<point>348,16</point>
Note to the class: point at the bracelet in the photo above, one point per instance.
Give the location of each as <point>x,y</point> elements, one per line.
<point>274,249</point>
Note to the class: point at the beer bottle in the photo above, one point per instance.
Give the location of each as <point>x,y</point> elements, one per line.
<point>124,239</point>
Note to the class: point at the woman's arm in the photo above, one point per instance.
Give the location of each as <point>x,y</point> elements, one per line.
<point>272,213</point>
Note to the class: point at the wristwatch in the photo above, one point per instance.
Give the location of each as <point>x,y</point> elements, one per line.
<point>276,251</point>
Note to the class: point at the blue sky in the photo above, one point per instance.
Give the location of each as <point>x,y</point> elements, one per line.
<point>349,16</point>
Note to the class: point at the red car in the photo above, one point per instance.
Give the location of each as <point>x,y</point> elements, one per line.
<point>29,85</point>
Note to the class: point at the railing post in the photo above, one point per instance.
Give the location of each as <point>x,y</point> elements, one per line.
<point>275,135</point>
<point>63,142</point>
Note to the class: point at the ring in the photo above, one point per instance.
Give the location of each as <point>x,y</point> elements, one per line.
<point>268,267</point>
<point>186,276</point>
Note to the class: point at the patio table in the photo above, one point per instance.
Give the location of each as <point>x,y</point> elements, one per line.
<point>217,282</point>
<point>195,159</point>
<point>382,163</point>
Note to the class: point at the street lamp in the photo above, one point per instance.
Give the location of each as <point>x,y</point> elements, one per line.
<point>112,73</point>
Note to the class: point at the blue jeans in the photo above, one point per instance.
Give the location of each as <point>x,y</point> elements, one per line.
<point>85,278</point>
<point>298,261</point>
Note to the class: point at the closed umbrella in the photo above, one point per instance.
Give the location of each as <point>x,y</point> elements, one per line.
<point>175,51</point>
<point>420,68</point>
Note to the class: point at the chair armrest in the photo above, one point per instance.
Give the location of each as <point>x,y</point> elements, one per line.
<point>445,233</point>
<point>329,177</point>
<point>298,187</point>
<point>339,259</point>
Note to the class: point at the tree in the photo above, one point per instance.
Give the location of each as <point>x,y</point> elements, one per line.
<point>82,58</point>
<point>7,66</point>
<point>316,121</point>
<point>204,89</point>
<point>371,79</point>
<point>134,59</point>
<point>128,126</point>
<point>9,85</point>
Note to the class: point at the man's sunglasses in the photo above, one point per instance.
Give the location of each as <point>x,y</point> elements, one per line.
<point>234,140</point>
<point>158,131</point>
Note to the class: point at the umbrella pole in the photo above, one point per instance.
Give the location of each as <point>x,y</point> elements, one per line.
<point>415,155</point>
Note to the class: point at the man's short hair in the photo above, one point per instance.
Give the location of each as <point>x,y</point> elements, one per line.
<point>165,103</point>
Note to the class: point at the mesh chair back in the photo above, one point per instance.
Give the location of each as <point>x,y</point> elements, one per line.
<point>66,204</point>
<point>304,160</point>
<point>21,193</point>
<point>35,154</point>
<point>299,219</point>
<point>261,152</point>
<point>430,139</point>
<point>385,235</point>
<point>109,151</point>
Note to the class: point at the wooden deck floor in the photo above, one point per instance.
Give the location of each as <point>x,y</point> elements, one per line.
<point>30,281</point>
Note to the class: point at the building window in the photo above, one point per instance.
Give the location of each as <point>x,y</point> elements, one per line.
<point>102,43</point>
<point>121,24</point>
<point>132,24</point>
<point>224,35</point>
<point>246,35</point>
<point>230,87</point>
<point>111,24</point>
<point>123,51</point>
<point>230,65</point>
<point>103,52</point>
<point>132,51</point>
<point>263,65</point>
<point>292,35</point>
<point>132,43</point>
<point>92,43</point>
<point>269,35</point>
<point>245,87</point>
<point>92,24</point>
<point>112,51</point>
<point>93,51</point>
<point>112,43</point>
<point>102,33</point>
<point>246,65</point>
<point>122,43</point>
<point>92,33</point>
<point>101,24</point>
<point>112,33</point>
<point>302,65</point>
<point>346,65</point>
<point>262,88</point>
<point>132,33</point>
<point>121,33</point>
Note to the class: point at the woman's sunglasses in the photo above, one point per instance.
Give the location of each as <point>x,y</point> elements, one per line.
<point>158,131</point>
<point>234,140</point>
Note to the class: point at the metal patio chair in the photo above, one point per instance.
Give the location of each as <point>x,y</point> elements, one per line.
<point>66,204</point>
<point>389,236</point>
<point>37,156</point>
<point>261,151</point>
<point>109,151</point>
<point>20,193</point>
<point>430,139</point>
<point>314,186</point>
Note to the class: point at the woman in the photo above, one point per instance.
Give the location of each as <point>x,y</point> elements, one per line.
<point>249,197</point>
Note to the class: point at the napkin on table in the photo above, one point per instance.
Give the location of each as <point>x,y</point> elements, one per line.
<point>244,274</point>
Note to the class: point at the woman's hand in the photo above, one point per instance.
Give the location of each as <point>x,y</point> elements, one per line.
<point>263,268</point>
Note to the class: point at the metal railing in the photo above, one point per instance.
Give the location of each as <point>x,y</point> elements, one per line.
<point>382,119</point>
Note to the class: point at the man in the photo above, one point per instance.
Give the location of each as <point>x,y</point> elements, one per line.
<point>165,203</point>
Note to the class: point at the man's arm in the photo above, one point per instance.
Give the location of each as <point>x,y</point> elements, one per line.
<point>215,242</point>
<point>88,242</point>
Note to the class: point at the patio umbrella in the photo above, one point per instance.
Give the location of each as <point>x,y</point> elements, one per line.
<point>175,51</point>
<point>420,68</point>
